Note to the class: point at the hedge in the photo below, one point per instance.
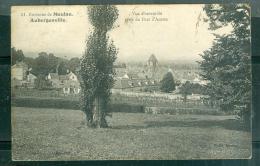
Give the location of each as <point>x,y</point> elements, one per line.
<point>60,103</point>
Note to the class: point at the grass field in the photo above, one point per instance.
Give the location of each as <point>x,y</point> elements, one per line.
<point>59,134</point>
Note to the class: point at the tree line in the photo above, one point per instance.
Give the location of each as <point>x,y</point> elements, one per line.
<point>45,63</point>
<point>227,64</point>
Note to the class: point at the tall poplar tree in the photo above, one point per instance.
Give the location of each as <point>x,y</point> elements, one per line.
<point>96,73</point>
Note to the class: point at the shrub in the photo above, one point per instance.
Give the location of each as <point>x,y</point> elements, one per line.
<point>167,83</point>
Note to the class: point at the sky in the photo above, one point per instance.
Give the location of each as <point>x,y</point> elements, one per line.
<point>176,35</point>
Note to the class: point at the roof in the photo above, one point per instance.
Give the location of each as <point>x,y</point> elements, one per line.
<point>128,75</point>
<point>31,75</point>
<point>54,76</point>
<point>127,83</point>
<point>133,75</point>
<point>121,84</point>
<point>63,77</point>
<point>120,74</point>
<point>20,64</point>
<point>71,74</point>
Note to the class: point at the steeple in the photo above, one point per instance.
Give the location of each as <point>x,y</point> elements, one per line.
<point>152,65</point>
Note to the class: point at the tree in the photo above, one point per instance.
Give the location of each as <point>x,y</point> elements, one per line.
<point>17,55</point>
<point>189,88</point>
<point>227,63</point>
<point>41,83</point>
<point>41,64</point>
<point>73,64</point>
<point>185,90</point>
<point>167,83</point>
<point>53,62</point>
<point>48,63</point>
<point>96,66</point>
<point>29,61</point>
<point>62,68</point>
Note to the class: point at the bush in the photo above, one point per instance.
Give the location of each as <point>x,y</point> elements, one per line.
<point>167,83</point>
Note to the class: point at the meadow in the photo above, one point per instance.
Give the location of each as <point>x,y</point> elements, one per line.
<point>60,134</point>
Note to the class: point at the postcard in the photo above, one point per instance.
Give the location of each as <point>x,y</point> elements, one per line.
<point>131,82</point>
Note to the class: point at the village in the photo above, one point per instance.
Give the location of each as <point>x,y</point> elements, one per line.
<point>128,78</point>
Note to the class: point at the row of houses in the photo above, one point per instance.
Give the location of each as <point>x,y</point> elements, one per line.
<point>22,77</point>
<point>133,81</point>
<point>69,83</point>
<point>127,83</point>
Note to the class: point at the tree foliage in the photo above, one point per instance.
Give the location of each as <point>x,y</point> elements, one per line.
<point>186,89</point>
<point>62,68</point>
<point>189,88</point>
<point>46,63</point>
<point>167,83</point>
<point>73,64</point>
<point>227,63</point>
<point>96,66</point>
<point>41,83</point>
<point>17,55</point>
<point>236,15</point>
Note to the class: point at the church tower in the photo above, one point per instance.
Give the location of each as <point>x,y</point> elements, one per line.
<point>152,66</point>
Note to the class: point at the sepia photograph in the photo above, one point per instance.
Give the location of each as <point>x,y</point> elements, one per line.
<point>131,82</point>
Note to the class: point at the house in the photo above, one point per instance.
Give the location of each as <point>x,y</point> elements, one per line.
<point>52,76</point>
<point>21,76</point>
<point>132,82</point>
<point>68,83</point>
<point>30,80</point>
<point>122,84</point>
<point>19,71</point>
<point>54,79</point>
<point>130,76</point>
<point>16,83</point>
<point>72,76</point>
<point>120,70</point>
<point>71,87</point>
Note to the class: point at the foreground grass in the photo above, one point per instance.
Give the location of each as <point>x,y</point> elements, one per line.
<point>56,134</point>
